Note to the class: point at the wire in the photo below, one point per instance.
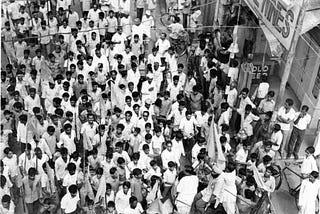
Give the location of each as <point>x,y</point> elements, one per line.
<point>197,28</point>
<point>152,29</point>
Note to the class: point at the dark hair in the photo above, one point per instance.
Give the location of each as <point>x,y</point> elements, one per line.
<point>32,171</point>
<point>266,159</point>
<point>132,199</point>
<point>113,170</point>
<point>71,167</point>
<point>245,90</point>
<point>223,139</point>
<point>135,156</point>
<point>145,146</point>
<point>171,164</point>
<point>231,166</point>
<point>248,194</point>
<point>120,160</point>
<point>314,174</point>
<point>136,172</point>
<point>148,136</point>
<point>289,102</point>
<point>310,149</point>
<point>73,189</point>
<point>271,93</point>
<point>305,107</point>
<point>99,171</point>
<point>111,204</point>
<point>127,184</point>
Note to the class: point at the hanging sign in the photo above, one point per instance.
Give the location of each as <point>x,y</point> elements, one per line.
<point>279,18</point>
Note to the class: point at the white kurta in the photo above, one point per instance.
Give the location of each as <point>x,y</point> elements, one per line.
<point>187,189</point>
<point>226,191</point>
<point>148,90</point>
<point>307,196</point>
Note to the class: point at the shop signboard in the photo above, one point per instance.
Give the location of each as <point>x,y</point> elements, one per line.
<point>278,17</point>
<point>259,70</point>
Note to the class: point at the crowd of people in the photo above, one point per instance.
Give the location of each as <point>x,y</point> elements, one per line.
<point>95,120</point>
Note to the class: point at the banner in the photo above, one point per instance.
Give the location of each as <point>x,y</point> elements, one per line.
<point>280,18</point>
<point>275,46</point>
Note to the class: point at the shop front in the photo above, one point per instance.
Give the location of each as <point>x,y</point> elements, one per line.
<point>304,78</point>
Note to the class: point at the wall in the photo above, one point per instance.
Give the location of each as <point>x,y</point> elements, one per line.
<point>302,78</point>
<point>207,11</point>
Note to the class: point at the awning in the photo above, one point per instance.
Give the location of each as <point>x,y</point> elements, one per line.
<point>311,20</point>
<point>274,44</point>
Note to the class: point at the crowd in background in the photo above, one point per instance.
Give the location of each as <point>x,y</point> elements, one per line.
<point>94,120</point>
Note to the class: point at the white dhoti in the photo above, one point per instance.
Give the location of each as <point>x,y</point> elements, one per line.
<point>183,208</point>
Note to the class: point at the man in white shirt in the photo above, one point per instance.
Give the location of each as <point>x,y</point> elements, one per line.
<point>163,44</point>
<point>13,10</point>
<point>148,22</point>
<point>276,138</point>
<point>124,5</point>
<point>168,155</point>
<point>177,114</point>
<point>70,201</point>
<point>245,100</point>
<point>186,190</point>
<point>309,191</point>
<point>135,207</point>
<point>100,58</point>
<point>225,116</point>
<point>197,148</point>
<point>7,206</point>
<point>188,126</point>
<point>139,29</point>
<point>309,163</point>
<point>261,91</point>
<point>285,116</point>
<point>232,93</point>
<point>268,103</point>
<point>148,89</point>
<point>300,124</point>
<point>31,101</point>
<point>119,40</point>
<point>60,165</point>
<point>242,153</point>
<point>94,14</point>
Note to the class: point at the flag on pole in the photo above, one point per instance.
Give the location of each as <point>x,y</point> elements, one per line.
<point>211,144</point>
<point>220,158</point>
<point>257,176</point>
<point>45,75</point>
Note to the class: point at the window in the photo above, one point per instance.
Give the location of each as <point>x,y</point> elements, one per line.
<point>316,87</point>
<point>314,33</point>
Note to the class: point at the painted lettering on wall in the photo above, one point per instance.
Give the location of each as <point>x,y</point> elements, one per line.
<point>279,19</point>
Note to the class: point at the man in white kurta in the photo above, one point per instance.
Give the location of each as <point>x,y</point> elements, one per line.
<point>309,191</point>
<point>226,190</point>
<point>187,189</point>
<point>148,89</point>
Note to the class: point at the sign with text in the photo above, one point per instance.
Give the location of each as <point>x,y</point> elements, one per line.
<point>279,18</point>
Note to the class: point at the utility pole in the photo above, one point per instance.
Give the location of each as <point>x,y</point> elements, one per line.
<point>291,54</point>
<point>216,15</point>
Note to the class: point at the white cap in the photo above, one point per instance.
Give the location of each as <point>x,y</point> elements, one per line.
<point>148,12</point>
